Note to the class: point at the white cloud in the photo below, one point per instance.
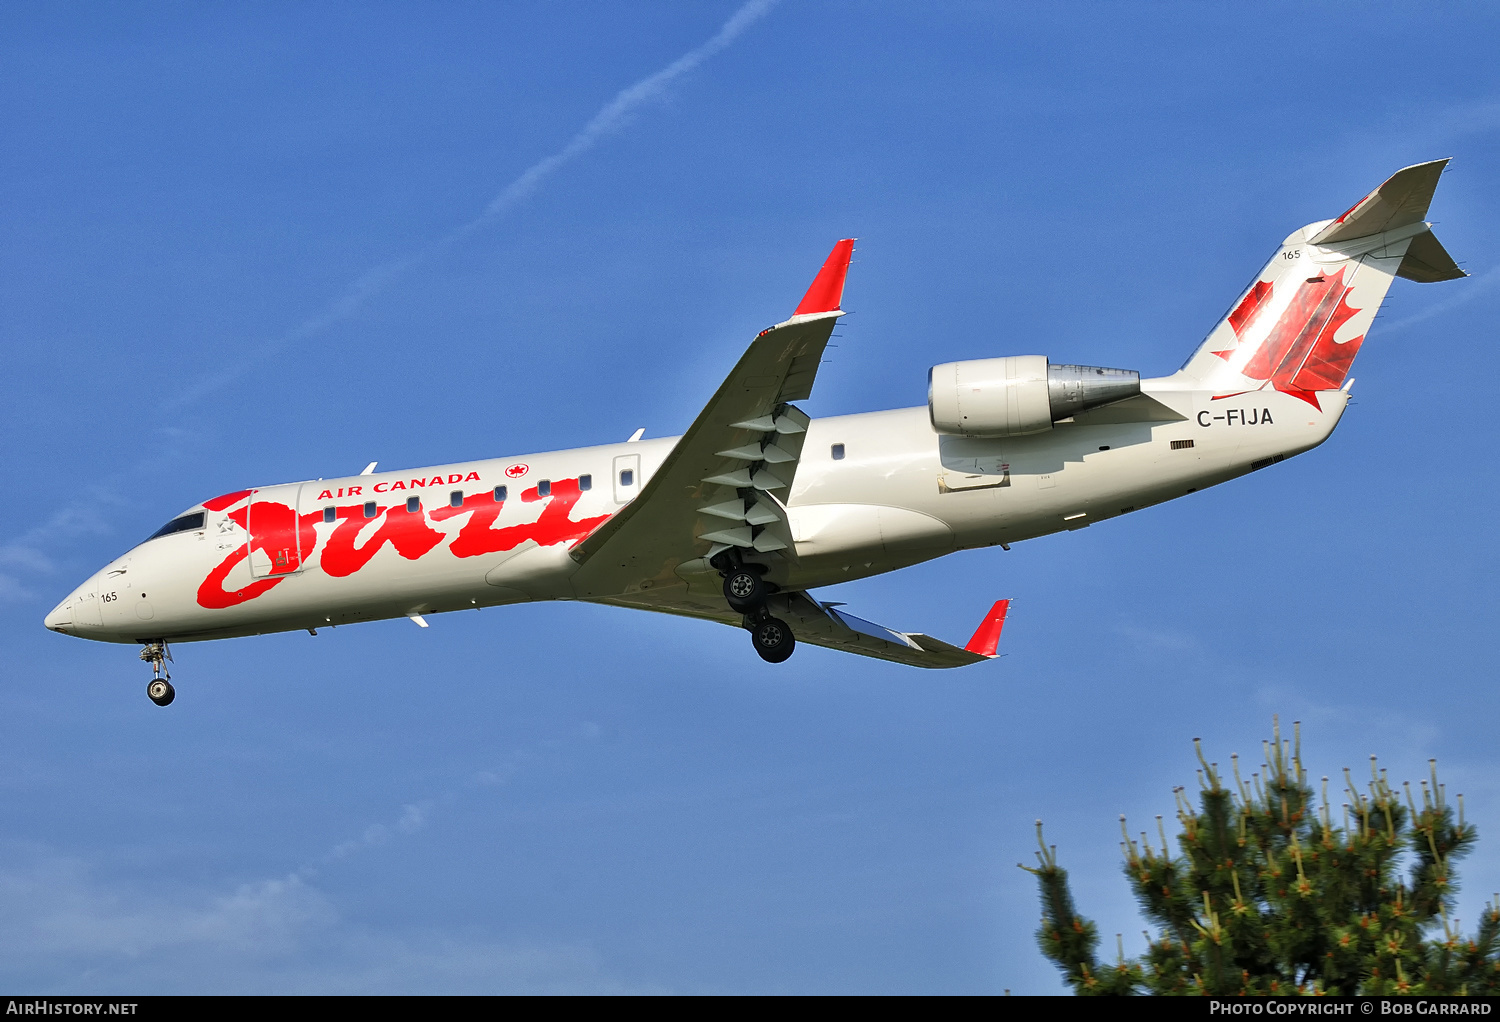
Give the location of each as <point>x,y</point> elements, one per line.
<point>64,930</point>
<point>413,818</point>
<point>52,906</point>
<point>1156,638</point>
<point>12,589</point>
<point>84,516</point>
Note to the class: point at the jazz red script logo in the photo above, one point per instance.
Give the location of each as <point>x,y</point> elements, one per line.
<point>288,539</point>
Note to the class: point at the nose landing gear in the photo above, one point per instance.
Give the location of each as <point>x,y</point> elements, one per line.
<point>160,690</point>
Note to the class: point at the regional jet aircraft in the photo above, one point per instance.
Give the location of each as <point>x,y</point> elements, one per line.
<point>745,515</point>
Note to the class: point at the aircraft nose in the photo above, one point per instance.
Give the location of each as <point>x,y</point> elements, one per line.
<point>60,619</point>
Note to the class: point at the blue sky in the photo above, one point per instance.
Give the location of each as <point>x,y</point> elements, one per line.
<point>253,244</point>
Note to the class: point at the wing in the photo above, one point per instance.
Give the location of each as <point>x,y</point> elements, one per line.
<point>724,483</point>
<point>824,624</point>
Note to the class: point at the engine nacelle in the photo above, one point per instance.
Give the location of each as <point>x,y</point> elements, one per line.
<point>1020,394</point>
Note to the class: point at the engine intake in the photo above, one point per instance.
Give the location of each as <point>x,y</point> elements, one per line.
<point>1019,394</point>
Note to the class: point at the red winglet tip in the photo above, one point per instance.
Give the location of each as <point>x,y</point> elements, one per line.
<point>827,289</point>
<point>987,635</point>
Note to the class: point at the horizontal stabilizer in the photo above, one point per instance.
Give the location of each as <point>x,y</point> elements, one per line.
<point>1427,262</point>
<point>1400,202</point>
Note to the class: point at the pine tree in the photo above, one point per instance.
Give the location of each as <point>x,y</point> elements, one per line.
<point>1268,896</point>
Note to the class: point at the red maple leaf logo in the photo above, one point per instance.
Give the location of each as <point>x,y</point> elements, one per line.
<point>1298,355</point>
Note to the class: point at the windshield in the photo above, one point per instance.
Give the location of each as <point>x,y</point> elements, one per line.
<point>186,523</point>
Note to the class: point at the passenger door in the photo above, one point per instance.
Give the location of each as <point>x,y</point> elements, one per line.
<point>274,538</point>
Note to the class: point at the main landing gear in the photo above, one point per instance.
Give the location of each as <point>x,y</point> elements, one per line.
<point>160,691</point>
<point>746,591</point>
<point>773,639</point>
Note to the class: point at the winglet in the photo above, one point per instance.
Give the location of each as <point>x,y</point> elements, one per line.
<point>827,290</point>
<point>987,636</point>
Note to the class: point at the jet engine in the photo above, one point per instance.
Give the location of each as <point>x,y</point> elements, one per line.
<point>1020,394</point>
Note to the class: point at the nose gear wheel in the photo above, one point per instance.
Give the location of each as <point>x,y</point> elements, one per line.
<point>160,690</point>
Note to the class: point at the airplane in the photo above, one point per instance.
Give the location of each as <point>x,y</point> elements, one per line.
<point>757,505</point>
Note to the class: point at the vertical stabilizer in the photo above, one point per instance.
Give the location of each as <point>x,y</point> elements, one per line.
<point>1299,325</point>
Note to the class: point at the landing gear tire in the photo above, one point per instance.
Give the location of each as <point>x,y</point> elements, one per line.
<point>773,640</point>
<point>744,590</point>
<point>161,692</point>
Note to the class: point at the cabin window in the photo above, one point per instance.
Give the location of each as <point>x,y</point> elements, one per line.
<point>838,452</point>
<point>456,498</point>
<point>544,488</point>
<point>330,514</point>
<point>370,509</point>
<point>585,482</point>
<point>413,504</point>
<point>627,477</point>
<point>499,494</point>
<point>184,523</point>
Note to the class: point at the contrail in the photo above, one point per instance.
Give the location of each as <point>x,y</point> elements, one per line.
<point>610,118</point>
<point>1477,286</point>
<point>613,114</point>
<point>25,553</point>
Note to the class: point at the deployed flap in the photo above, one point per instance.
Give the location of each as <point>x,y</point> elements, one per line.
<point>1427,262</point>
<point>726,481</point>
<point>1400,202</point>
<point>825,625</point>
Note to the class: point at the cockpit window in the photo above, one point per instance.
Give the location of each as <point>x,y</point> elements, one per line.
<point>187,523</point>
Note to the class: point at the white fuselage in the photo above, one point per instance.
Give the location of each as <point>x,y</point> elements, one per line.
<point>899,493</point>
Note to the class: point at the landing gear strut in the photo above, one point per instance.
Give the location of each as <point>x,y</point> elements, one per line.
<point>160,691</point>
<point>746,592</point>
